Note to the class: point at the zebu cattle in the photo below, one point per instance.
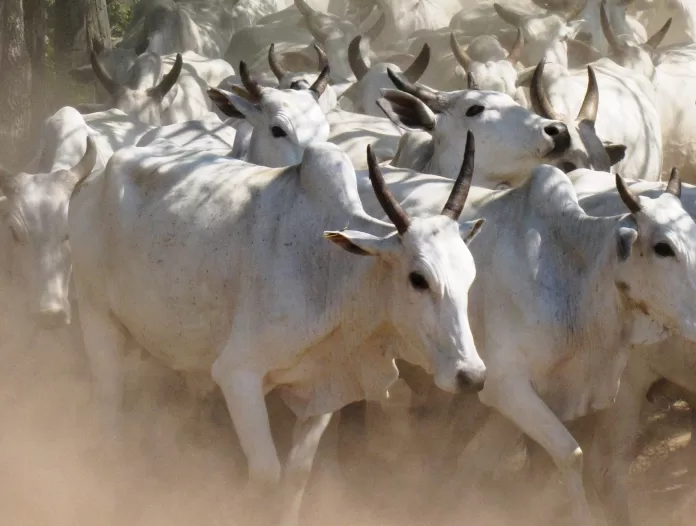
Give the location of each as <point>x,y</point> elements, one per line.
<point>282,122</point>
<point>683,12</point>
<point>512,140</point>
<point>626,116</point>
<point>370,80</point>
<point>251,295</point>
<point>562,296</point>
<point>672,72</point>
<point>35,209</point>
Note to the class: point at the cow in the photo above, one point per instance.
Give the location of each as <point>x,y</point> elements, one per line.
<point>672,72</point>
<point>562,296</point>
<point>220,269</point>
<point>281,123</point>
<point>35,210</point>
<point>208,133</point>
<point>512,140</point>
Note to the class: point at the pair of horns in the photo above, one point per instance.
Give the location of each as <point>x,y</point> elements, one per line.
<point>360,67</point>
<point>615,45</point>
<point>320,33</point>
<point>255,91</point>
<point>542,103</point>
<point>630,199</point>
<point>114,88</point>
<point>429,96</point>
<point>465,60</point>
<point>280,72</point>
<point>455,203</point>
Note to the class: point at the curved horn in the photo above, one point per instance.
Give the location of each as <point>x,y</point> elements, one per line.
<point>419,65</point>
<point>356,60</point>
<point>455,203</point>
<point>424,94</point>
<point>614,44</point>
<point>321,57</point>
<point>250,84</point>
<point>516,51</point>
<point>322,81</point>
<point>462,57</point>
<point>471,83</point>
<point>168,80</point>
<point>590,104</point>
<point>97,45</point>
<point>276,68</point>
<point>390,205</point>
<point>540,100</point>
<point>110,85</point>
<point>85,166</point>
<point>627,196</point>
<point>511,17</point>
<point>377,27</point>
<point>658,37</point>
<point>674,184</point>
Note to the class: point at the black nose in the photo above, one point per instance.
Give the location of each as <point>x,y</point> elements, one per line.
<point>471,381</point>
<point>560,135</point>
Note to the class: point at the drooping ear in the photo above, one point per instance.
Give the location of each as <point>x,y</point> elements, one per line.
<point>406,111</point>
<point>238,104</point>
<point>625,239</point>
<point>470,229</point>
<point>361,243</point>
<point>616,152</point>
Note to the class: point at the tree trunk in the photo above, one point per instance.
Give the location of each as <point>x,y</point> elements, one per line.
<point>35,29</point>
<point>98,27</point>
<point>73,39</point>
<point>15,79</point>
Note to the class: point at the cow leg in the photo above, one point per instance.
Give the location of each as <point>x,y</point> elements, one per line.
<point>105,344</point>
<point>517,400</point>
<point>244,394</point>
<point>305,440</point>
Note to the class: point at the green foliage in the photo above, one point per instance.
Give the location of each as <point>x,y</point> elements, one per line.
<point>119,17</point>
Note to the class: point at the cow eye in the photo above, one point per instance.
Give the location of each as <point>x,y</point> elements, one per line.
<point>474,110</point>
<point>569,167</point>
<point>277,131</point>
<point>417,281</point>
<point>663,250</point>
<point>503,186</point>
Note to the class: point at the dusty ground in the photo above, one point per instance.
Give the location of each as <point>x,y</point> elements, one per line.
<point>178,467</point>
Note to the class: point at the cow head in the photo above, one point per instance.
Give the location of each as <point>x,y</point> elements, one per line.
<point>629,53</point>
<point>302,80</point>
<point>284,122</point>
<point>656,254</point>
<point>371,80</point>
<point>35,211</point>
<point>512,140</point>
<point>542,31</point>
<point>493,75</point>
<point>334,33</point>
<point>586,149</point>
<point>144,104</point>
<point>431,272</point>
<point>117,61</point>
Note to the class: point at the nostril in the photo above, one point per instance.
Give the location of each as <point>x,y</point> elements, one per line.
<point>552,130</point>
<point>471,381</point>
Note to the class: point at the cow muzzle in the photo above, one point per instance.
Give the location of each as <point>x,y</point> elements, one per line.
<point>471,381</point>
<point>53,316</point>
<point>559,134</point>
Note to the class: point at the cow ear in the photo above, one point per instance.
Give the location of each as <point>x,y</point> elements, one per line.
<point>406,111</point>
<point>626,237</point>
<point>616,152</point>
<point>234,104</point>
<point>470,229</point>
<point>361,243</point>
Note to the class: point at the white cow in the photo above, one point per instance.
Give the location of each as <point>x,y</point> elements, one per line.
<point>672,72</point>
<point>512,140</point>
<point>35,210</point>
<point>562,296</point>
<point>281,123</point>
<point>207,134</point>
<point>241,286</point>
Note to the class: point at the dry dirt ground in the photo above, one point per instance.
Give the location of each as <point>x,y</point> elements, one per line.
<point>179,463</point>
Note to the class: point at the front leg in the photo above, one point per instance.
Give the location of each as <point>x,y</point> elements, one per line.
<point>305,441</point>
<point>515,398</point>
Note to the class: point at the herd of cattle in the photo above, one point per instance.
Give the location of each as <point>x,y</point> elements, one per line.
<point>510,174</point>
